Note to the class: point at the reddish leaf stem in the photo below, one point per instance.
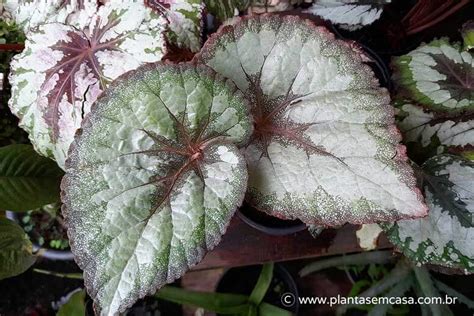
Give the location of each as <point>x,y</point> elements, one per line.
<point>12,47</point>
<point>424,14</point>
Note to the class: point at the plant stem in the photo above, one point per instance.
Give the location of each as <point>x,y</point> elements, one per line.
<point>11,47</point>
<point>428,289</point>
<point>381,257</point>
<point>263,282</point>
<point>438,19</point>
<point>401,271</point>
<point>452,292</point>
<point>397,291</point>
<point>77,276</point>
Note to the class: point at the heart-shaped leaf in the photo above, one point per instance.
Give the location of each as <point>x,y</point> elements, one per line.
<point>436,131</point>
<point>185,19</point>
<point>15,249</point>
<point>63,69</point>
<point>29,14</point>
<point>446,236</point>
<point>27,180</point>
<point>348,14</point>
<point>438,75</point>
<point>325,148</point>
<point>153,179</point>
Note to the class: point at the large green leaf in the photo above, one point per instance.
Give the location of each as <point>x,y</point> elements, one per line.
<point>438,75</point>
<point>153,179</point>
<point>325,148</point>
<point>446,236</point>
<point>15,249</point>
<point>27,180</point>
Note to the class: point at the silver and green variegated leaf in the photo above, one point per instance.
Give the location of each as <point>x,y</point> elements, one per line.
<point>63,69</point>
<point>446,236</point>
<point>153,179</point>
<point>434,131</point>
<point>226,9</point>
<point>348,14</point>
<point>185,19</point>
<point>29,14</point>
<point>438,75</point>
<point>325,148</point>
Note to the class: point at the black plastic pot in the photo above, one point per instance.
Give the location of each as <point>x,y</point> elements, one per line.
<point>268,224</point>
<point>242,280</point>
<point>51,254</point>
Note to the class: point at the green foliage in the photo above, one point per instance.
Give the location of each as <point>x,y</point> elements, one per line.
<point>74,306</point>
<point>15,249</point>
<point>229,304</point>
<point>9,130</point>
<point>27,180</point>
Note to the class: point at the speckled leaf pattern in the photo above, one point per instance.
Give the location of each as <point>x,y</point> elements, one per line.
<point>63,69</point>
<point>226,9</point>
<point>29,14</point>
<point>436,131</point>
<point>153,179</point>
<point>438,75</point>
<point>346,13</point>
<point>446,236</point>
<point>325,148</point>
<point>185,19</point>
<point>15,249</point>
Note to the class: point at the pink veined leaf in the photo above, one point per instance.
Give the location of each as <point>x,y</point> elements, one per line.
<point>325,148</point>
<point>29,14</point>
<point>64,69</point>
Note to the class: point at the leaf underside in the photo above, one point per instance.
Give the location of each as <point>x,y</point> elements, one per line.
<point>64,68</point>
<point>347,15</point>
<point>446,236</point>
<point>325,148</point>
<point>15,249</point>
<point>438,75</point>
<point>153,179</point>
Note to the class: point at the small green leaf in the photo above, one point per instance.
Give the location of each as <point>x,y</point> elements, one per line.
<point>226,9</point>
<point>75,306</point>
<point>262,285</point>
<point>27,180</point>
<point>15,249</point>
<point>467,33</point>
<point>222,303</point>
